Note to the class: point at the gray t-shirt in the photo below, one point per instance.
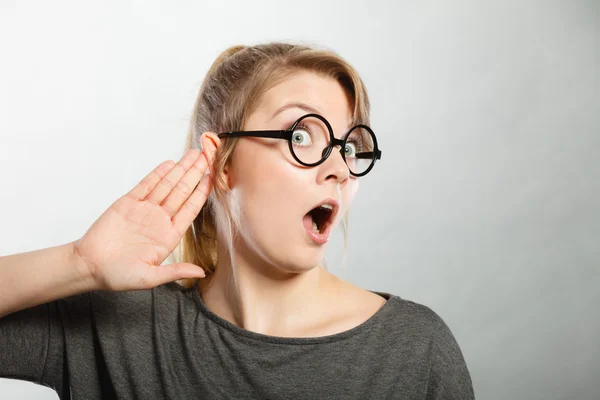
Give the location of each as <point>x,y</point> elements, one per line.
<point>165,343</point>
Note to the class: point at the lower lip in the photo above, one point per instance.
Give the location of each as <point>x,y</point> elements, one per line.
<point>318,237</point>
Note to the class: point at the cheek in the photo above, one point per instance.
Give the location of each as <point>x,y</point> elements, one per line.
<point>268,186</point>
<point>257,159</point>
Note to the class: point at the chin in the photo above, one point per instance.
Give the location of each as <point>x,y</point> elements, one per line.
<point>277,252</point>
<point>298,268</point>
<point>301,260</point>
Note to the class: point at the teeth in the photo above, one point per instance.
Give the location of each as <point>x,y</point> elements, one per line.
<point>328,206</point>
<point>315,227</point>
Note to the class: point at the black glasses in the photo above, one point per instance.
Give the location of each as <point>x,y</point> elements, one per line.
<point>311,141</point>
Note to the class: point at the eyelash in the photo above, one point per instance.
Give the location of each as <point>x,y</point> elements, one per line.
<point>301,125</point>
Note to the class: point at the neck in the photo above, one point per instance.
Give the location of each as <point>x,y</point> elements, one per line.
<point>265,299</point>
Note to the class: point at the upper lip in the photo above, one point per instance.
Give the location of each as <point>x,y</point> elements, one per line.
<point>335,206</point>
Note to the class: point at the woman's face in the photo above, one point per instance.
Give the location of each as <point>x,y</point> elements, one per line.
<point>276,194</point>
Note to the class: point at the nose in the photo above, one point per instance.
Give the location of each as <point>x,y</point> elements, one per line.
<point>334,167</point>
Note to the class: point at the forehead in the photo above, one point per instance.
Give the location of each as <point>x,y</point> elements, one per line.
<point>320,94</point>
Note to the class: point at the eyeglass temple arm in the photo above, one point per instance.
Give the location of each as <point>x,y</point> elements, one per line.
<point>284,134</point>
<point>369,155</point>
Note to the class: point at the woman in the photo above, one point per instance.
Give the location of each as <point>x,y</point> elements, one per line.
<point>284,131</point>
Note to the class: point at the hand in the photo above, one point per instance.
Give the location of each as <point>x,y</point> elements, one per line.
<point>126,245</point>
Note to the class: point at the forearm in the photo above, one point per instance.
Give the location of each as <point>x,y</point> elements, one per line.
<point>39,276</point>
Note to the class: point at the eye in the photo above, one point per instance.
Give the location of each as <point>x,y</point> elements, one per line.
<point>301,136</point>
<point>350,149</point>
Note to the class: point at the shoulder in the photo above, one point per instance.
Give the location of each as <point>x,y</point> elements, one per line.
<point>408,315</point>
<point>391,313</point>
<point>449,376</point>
<point>427,321</point>
<point>414,325</point>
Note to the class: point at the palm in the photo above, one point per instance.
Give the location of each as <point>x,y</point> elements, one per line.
<point>135,234</point>
<point>126,245</point>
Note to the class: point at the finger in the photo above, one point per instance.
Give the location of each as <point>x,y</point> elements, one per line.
<point>185,186</point>
<point>191,208</point>
<point>169,273</point>
<point>167,183</point>
<point>146,185</point>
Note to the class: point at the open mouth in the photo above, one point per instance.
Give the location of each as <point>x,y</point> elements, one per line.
<point>320,218</point>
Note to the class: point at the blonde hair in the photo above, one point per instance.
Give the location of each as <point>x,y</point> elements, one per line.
<point>229,94</point>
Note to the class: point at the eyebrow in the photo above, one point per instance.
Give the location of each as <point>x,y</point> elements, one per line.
<point>305,107</point>
<point>302,106</point>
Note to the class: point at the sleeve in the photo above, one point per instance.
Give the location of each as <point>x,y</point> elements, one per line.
<point>32,346</point>
<point>449,376</point>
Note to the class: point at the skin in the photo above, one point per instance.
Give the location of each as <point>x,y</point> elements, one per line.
<point>282,289</point>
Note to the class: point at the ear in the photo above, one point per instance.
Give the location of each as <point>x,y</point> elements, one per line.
<point>210,143</point>
<point>227,175</point>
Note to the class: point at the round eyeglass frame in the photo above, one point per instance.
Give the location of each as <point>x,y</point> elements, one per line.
<point>287,134</point>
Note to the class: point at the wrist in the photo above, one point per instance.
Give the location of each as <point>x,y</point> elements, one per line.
<point>84,269</point>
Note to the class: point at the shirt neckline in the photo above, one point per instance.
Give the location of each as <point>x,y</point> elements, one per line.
<point>373,320</point>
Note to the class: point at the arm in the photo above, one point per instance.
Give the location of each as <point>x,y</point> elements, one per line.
<point>40,276</point>
<point>124,248</point>
<point>32,346</point>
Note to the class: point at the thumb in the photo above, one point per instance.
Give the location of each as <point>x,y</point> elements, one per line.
<point>172,272</point>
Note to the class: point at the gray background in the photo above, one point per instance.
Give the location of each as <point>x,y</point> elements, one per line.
<point>488,113</point>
